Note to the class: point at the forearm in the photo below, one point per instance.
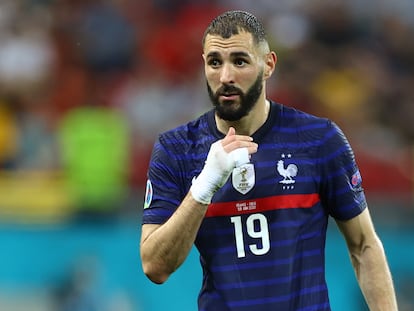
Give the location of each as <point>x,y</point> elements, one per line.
<point>166,248</point>
<point>374,276</point>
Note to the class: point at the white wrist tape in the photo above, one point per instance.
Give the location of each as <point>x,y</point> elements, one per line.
<point>216,171</point>
<point>240,156</point>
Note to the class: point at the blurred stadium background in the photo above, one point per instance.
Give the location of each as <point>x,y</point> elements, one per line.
<point>86,85</point>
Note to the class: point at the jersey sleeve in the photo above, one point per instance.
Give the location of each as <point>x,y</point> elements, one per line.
<point>342,191</point>
<point>163,193</point>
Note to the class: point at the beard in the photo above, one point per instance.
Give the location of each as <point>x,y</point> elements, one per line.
<point>225,109</point>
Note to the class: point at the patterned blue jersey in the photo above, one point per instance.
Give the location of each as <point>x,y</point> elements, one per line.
<point>262,241</point>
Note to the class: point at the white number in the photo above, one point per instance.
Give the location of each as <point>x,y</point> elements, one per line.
<point>238,233</point>
<point>262,233</point>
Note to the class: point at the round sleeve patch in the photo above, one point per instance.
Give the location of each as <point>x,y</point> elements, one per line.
<point>356,179</point>
<point>148,194</point>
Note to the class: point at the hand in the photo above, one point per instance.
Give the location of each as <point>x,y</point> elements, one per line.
<point>224,155</point>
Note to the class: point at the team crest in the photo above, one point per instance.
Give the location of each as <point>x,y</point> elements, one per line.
<point>288,172</point>
<point>243,178</point>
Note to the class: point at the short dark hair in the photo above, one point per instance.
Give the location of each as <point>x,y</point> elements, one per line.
<point>232,23</point>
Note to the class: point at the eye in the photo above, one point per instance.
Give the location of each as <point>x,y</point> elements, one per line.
<point>214,62</point>
<point>240,62</point>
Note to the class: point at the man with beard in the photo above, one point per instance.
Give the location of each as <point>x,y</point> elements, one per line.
<point>252,184</point>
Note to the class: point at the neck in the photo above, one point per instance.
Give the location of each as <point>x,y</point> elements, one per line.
<point>249,124</point>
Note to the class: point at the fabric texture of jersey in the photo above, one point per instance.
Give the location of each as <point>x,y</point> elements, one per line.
<point>262,240</point>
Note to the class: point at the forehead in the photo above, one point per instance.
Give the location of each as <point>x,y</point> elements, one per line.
<point>242,42</point>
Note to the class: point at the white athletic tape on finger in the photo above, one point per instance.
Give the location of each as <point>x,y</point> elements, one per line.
<point>240,156</point>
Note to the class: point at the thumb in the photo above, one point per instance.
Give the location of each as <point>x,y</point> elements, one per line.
<point>231,131</point>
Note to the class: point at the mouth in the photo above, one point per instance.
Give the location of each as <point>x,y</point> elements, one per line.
<point>229,96</point>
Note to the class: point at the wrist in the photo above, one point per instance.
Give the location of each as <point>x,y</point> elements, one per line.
<point>217,169</point>
<point>203,187</point>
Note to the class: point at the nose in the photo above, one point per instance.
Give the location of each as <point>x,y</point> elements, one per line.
<point>227,74</point>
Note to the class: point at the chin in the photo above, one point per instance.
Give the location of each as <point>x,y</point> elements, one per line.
<point>230,114</point>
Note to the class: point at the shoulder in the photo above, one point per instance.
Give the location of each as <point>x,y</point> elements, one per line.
<point>296,116</point>
<point>186,136</point>
<point>295,120</point>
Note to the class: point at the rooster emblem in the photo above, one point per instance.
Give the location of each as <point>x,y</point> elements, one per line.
<point>287,173</point>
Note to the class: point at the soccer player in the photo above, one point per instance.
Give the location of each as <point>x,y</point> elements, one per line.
<point>252,183</point>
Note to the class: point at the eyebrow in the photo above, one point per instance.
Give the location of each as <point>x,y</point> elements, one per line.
<point>213,55</point>
<point>233,54</point>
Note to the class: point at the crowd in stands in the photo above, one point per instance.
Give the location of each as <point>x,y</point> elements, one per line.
<point>86,85</point>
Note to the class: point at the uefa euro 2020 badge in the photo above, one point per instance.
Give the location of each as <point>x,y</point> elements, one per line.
<point>148,194</point>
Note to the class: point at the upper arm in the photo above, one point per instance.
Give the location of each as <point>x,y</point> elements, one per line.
<point>341,182</point>
<point>358,231</point>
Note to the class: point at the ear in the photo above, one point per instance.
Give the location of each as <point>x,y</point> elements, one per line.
<point>270,64</point>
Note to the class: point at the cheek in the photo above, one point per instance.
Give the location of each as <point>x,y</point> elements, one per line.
<point>250,78</point>
<point>212,78</point>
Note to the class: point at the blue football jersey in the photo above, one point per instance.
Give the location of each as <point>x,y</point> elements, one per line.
<point>262,241</point>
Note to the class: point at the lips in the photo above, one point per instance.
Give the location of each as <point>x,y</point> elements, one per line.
<point>229,93</point>
<point>232,94</point>
<point>229,96</point>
